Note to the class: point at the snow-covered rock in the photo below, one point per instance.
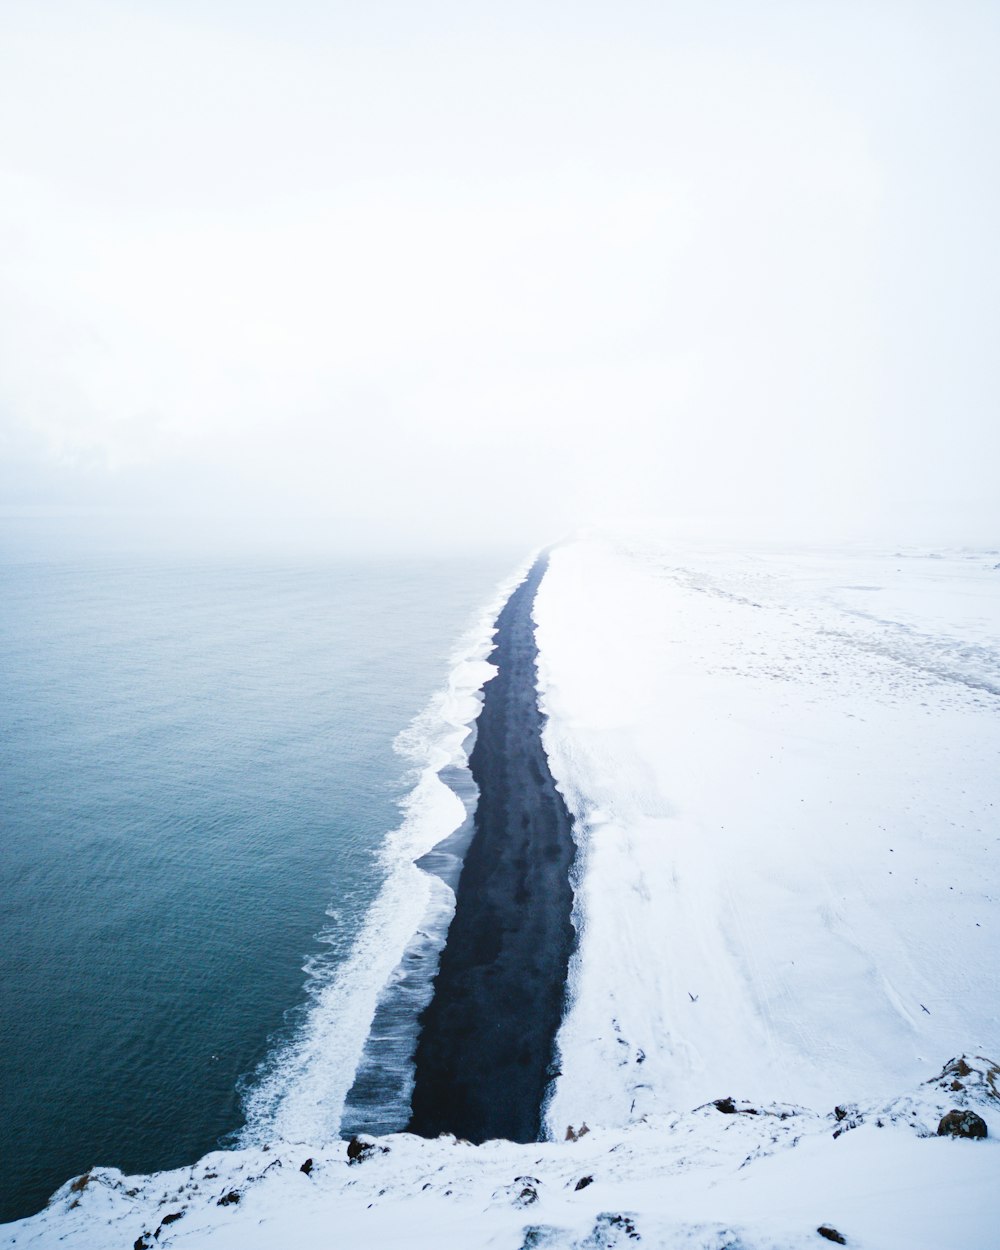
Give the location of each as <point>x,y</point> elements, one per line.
<point>756,1177</point>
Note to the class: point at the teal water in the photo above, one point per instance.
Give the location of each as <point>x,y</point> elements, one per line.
<point>196,768</point>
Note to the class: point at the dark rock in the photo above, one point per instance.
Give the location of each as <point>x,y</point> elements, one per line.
<point>831,1234</point>
<point>962,1124</point>
<point>526,1190</point>
<point>230,1199</point>
<point>583,1182</point>
<point>613,1225</point>
<point>80,1184</point>
<point>142,1243</point>
<point>847,1116</point>
<point>167,1219</point>
<point>307,1167</point>
<point>538,1235</point>
<point>728,1107</point>
<point>358,1150</point>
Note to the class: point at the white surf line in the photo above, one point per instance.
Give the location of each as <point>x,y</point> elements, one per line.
<point>301,1090</point>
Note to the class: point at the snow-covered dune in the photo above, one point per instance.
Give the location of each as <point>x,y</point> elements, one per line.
<point>784,770</point>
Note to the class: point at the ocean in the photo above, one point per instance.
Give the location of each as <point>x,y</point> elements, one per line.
<point>197,780</point>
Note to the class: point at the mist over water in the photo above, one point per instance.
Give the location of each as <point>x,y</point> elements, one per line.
<point>196,777</point>
<point>407,276</point>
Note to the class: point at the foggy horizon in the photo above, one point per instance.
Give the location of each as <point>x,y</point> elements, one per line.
<point>446,277</point>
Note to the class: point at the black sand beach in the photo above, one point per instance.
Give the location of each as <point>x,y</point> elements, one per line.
<point>486,1047</point>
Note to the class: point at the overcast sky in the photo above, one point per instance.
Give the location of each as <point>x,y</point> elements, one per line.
<point>421,273</point>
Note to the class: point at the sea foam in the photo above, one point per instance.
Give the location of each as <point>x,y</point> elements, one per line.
<point>366,994</point>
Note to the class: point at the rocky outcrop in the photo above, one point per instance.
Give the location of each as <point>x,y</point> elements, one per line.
<point>361,1148</point>
<point>729,1106</point>
<point>962,1124</point>
<point>831,1234</point>
<point>969,1078</point>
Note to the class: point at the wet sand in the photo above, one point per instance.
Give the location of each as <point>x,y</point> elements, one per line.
<point>486,1049</point>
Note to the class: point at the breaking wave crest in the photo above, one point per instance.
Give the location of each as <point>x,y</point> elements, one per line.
<point>349,1064</point>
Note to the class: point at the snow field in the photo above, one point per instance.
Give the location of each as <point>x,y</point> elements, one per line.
<point>784,770</point>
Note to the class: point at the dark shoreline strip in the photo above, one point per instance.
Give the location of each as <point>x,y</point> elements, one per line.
<point>485,1054</point>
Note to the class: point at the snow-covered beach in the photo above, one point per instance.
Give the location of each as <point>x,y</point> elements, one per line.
<point>782,768</point>
<point>786,770</point>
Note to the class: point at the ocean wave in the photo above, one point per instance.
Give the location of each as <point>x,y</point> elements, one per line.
<point>349,1061</point>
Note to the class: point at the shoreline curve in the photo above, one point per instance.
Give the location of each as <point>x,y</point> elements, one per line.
<point>486,1051</point>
